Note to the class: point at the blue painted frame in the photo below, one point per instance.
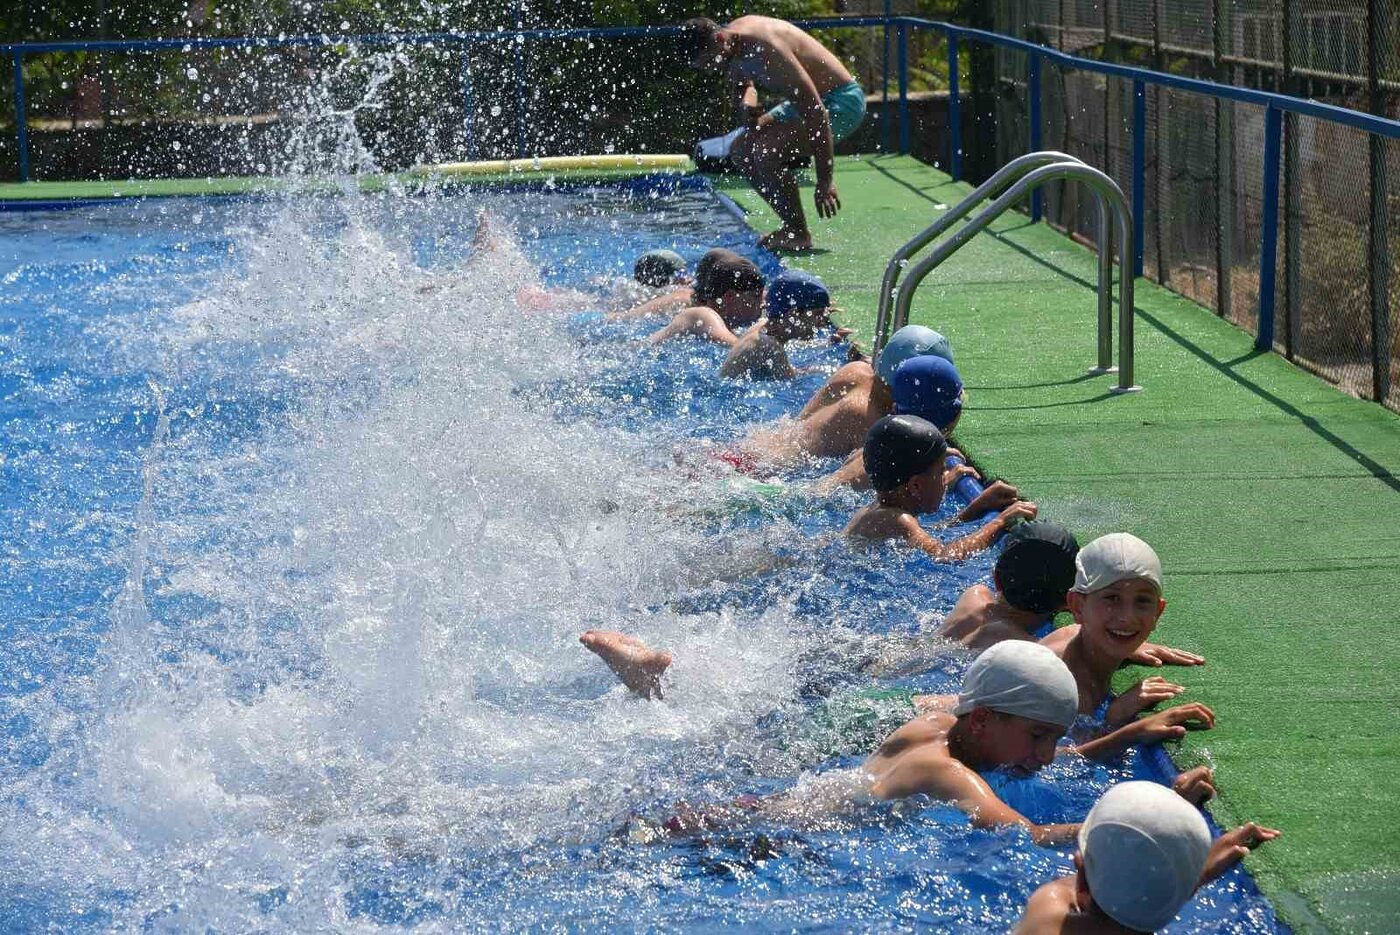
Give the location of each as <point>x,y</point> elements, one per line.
<point>1275,104</point>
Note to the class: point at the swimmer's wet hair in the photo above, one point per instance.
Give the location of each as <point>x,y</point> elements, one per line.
<point>720,271</point>
<point>696,35</point>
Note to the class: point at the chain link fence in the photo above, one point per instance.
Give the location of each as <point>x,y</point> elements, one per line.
<point>1338,266</point>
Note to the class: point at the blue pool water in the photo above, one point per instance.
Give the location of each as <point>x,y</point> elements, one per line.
<point>302,517</point>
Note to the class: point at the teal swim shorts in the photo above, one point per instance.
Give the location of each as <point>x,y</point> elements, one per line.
<point>844,105</point>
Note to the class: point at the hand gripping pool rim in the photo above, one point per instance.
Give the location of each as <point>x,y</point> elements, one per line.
<point>968,487</point>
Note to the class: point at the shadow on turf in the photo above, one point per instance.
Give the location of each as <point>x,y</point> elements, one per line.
<point>1370,465</point>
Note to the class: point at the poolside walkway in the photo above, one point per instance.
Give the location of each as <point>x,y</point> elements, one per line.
<point>1271,496</point>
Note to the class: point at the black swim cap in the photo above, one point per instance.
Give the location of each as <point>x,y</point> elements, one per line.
<point>1036,566</point>
<point>898,448</point>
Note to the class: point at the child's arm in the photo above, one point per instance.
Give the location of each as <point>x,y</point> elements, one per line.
<point>942,777</point>
<point>978,541</point>
<point>997,496</point>
<point>701,322</point>
<point>1171,724</point>
<point>663,304</point>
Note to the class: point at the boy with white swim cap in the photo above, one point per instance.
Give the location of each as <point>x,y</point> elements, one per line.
<point>1143,851</point>
<point>1116,601</point>
<point>1016,702</point>
<point>904,459</point>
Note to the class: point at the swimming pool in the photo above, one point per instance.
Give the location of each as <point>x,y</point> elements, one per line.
<point>303,515</point>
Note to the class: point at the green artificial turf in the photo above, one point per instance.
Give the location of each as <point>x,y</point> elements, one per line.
<point>1270,495</point>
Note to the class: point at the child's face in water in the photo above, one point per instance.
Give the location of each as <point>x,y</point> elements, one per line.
<point>1018,744</point>
<point>1119,618</point>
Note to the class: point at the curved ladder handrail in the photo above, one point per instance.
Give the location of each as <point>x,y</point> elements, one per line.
<point>1112,197</point>
<point>1006,175</point>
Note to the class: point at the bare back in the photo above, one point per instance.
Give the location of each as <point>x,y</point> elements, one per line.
<point>758,34</point>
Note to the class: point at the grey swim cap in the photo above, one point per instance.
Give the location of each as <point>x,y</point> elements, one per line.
<point>1144,848</point>
<point>1112,558</point>
<point>1024,679</point>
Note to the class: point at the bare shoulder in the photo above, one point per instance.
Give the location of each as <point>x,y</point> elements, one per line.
<point>1049,909</point>
<point>880,522</point>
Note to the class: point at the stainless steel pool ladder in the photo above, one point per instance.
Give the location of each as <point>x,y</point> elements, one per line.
<point>1009,185</point>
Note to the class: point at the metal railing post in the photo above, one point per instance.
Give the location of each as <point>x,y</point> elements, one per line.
<point>1224,169</point>
<point>887,125</point>
<point>468,103</point>
<point>1139,172</point>
<point>1111,197</point>
<point>1377,246</point>
<point>955,155</point>
<point>1268,233</point>
<point>1033,93</point>
<point>904,144</point>
<point>21,119</point>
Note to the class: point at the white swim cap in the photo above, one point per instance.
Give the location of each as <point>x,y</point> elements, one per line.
<point>1144,848</point>
<point>1021,678</point>
<point>1112,558</point>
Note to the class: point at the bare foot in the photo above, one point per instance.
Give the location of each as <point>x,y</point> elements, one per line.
<point>636,665</point>
<point>785,238</point>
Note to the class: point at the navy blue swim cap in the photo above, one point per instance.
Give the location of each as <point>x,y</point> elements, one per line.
<point>795,291</point>
<point>1036,566</point>
<point>898,448</point>
<point>928,386</point>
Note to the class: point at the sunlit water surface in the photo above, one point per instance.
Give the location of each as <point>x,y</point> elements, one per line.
<point>303,514</point>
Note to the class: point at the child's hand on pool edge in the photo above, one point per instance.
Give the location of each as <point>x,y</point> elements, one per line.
<point>1156,655</point>
<point>1196,786</point>
<point>1231,847</point>
<point>1146,694</point>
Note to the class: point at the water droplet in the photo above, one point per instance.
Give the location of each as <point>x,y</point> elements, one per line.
<point>175,146</point>
<point>192,73</point>
<point>495,110</point>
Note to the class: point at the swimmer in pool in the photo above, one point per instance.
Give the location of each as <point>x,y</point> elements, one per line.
<point>1116,601</point>
<point>1143,852</point>
<point>1032,575</point>
<point>927,386</point>
<point>728,295</point>
<point>835,420</point>
<point>795,306</point>
<point>662,273</point>
<point>904,456</point>
<point>1015,703</point>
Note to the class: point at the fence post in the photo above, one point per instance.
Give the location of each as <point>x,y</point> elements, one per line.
<point>468,103</point>
<point>1378,248</point>
<point>955,155</point>
<point>1292,189</point>
<point>904,145</point>
<point>21,118</point>
<point>1268,230</point>
<point>887,125</point>
<point>1033,94</point>
<point>1139,171</point>
<point>1224,171</point>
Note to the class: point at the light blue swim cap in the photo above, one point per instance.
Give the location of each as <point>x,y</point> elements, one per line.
<point>910,341</point>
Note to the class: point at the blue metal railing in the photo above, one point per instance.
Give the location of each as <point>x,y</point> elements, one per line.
<point>1275,105</point>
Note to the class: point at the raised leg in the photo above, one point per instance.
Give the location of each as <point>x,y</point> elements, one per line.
<point>766,156</point>
<point>635,664</point>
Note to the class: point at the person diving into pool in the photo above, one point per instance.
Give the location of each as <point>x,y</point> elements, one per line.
<point>824,104</point>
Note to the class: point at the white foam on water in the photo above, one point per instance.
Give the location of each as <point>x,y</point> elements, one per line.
<point>351,612</point>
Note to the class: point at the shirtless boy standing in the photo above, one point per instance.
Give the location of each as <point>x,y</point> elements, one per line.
<point>824,104</point>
